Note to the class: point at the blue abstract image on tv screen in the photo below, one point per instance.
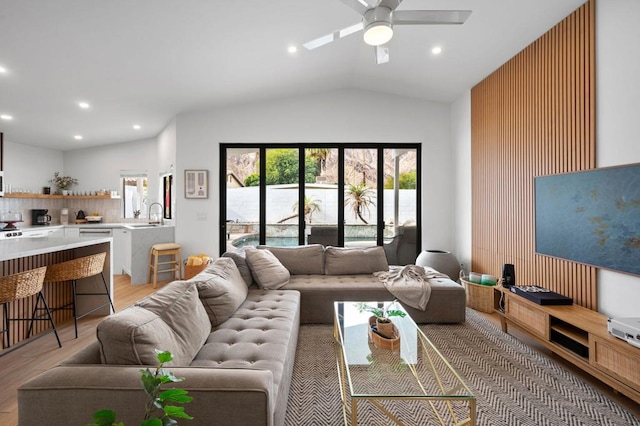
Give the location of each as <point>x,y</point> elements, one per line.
<point>591,217</point>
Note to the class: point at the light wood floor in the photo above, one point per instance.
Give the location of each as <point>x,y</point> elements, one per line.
<point>41,354</point>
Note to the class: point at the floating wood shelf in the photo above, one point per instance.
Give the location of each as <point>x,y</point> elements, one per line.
<point>56,196</point>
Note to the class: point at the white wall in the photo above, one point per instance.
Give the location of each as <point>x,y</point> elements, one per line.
<point>30,168</point>
<point>461,165</point>
<point>617,112</point>
<point>99,167</point>
<point>166,146</point>
<point>339,116</point>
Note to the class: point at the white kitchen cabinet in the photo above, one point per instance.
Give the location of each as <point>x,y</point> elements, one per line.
<point>121,251</point>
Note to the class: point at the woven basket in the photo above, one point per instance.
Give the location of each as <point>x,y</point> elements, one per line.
<point>479,297</point>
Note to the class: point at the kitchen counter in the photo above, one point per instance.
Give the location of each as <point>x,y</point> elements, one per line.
<point>24,247</point>
<point>126,225</point>
<point>132,243</point>
<point>22,254</point>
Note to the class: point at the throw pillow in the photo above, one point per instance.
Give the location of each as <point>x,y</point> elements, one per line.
<point>266,269</point>
<point>173,319</point>
<point>221,289</point>
<point>355,260</point>
<point>300,260</point>
<point>240,258</point>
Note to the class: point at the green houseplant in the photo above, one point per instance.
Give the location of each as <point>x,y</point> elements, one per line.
<point>157,399</point>
<point>383,316</point>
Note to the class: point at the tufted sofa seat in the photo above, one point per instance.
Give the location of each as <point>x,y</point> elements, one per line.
<point>234,346</point>
<point>319,292</point>
<point>261,335</point>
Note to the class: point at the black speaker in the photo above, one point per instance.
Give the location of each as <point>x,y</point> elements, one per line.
<point>508,275</point>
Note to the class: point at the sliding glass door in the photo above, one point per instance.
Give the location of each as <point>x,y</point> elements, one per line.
<point>334,194</point>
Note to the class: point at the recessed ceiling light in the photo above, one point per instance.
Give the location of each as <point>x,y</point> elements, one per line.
<point>436,50</point>
<point>292,49</point>
<point>6,117</point>
<point>136,127</point>
<point>78,137</point>
<point>2,69</point>
<point>83,105</point>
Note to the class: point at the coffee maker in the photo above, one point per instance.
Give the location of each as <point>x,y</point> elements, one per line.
<point>40,217</point>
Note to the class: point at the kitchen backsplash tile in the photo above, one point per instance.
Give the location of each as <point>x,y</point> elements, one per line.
<point>109,209</point>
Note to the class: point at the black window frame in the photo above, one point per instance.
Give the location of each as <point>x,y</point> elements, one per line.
<point>262,149</point>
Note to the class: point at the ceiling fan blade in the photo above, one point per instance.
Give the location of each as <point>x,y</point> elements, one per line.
<point>361,6</point>
<point>326,39</point>
<point>382,54</point>
<point>391,4</point>
<point>430,17</point>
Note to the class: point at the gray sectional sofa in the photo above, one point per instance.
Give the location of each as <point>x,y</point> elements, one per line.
<point>326,275</point>
<point>234,343</point>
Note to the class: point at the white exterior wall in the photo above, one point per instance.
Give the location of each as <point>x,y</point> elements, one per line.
<point>243,205</point>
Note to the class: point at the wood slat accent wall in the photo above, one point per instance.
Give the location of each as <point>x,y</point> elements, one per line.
<point>533,116</point>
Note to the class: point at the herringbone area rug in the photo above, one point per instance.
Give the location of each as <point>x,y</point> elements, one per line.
<point>513,384</point>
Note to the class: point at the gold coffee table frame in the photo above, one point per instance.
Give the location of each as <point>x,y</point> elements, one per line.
<point>415,372</point>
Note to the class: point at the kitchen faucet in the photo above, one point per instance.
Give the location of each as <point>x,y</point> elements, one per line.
<point>159,220</point>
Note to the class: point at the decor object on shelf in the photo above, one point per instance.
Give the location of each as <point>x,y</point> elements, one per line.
<point>441,261</point>
<point>63,183</point>
<point>156,399</point>
<point>196,184</point>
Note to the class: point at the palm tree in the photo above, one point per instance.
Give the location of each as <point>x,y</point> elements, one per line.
<point>311,205</point>
<point>360,198</point>
<point>320,155</point>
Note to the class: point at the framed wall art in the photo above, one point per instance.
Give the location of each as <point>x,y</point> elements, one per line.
<point>196,184</point>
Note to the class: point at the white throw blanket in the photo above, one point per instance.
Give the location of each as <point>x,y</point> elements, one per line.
<point>410,283</point>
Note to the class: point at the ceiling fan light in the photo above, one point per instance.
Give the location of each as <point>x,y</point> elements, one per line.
<point>378,33</point>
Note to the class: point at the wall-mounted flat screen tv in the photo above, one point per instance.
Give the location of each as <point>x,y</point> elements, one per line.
<point>591,217</point>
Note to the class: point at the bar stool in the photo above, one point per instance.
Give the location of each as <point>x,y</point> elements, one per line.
<point>21,285</point>
<point>166,249</point>
<point>76,269</point>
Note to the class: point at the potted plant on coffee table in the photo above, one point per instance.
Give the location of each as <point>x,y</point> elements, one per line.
<point>384,325</point>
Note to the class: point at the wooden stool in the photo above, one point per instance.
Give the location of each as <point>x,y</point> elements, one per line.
<point>166,249</point>
<point>76,269</point>
<point>21,285</point>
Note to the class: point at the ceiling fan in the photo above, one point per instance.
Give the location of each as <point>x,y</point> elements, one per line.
<point>378,19</point>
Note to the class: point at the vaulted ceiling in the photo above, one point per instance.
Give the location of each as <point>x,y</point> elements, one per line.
<point>145,61</point>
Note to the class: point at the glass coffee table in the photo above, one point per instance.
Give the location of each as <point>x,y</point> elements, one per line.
<point>388,378</point>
